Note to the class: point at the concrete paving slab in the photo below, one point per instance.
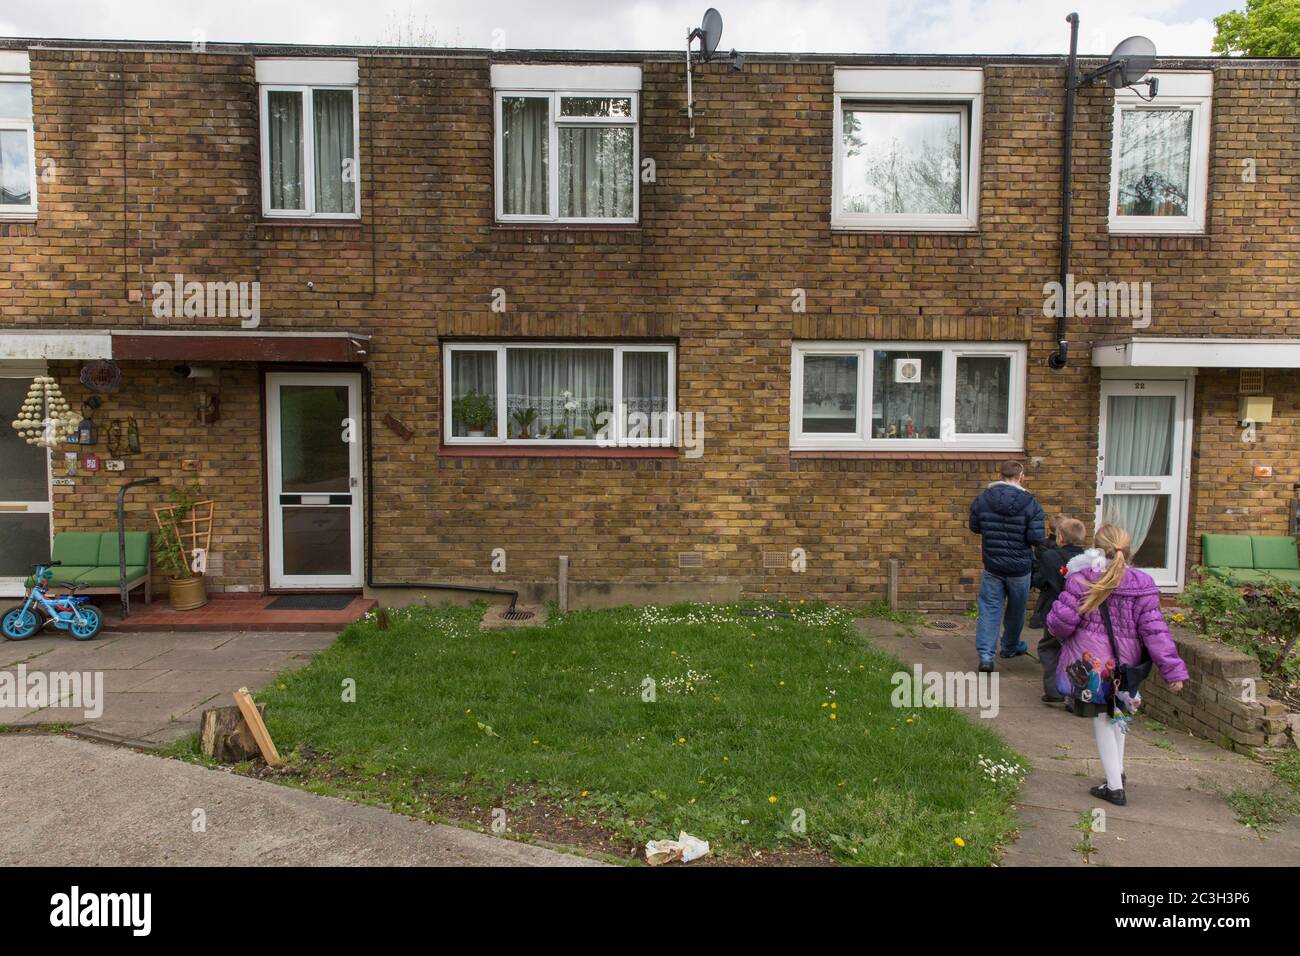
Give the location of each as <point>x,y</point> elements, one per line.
<point>1177,813</point>
<point>219,659</point>
<point>203,681</point>
<point>314,641</point>
<point>156,683</point>
<point>85,804</point>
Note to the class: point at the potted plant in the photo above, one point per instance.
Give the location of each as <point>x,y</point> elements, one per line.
<point>187,588</point>
<point>475,411</point>
<point>524,419</point>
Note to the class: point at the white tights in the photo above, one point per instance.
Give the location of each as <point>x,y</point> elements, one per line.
<point>1110,747</point>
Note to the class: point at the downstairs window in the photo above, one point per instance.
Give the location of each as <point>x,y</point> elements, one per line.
<point>900,395</point>
<point>536,393</point>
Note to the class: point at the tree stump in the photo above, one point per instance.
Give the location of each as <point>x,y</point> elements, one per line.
<point>224,735</point>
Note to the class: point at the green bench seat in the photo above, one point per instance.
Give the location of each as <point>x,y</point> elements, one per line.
<point>90,559</point>
<point>1241,559</point>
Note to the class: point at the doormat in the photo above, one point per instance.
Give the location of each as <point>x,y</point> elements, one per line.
<point>311,602</point>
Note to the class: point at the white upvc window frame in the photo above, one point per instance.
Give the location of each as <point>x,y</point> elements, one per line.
<point>912,90</point>
<point>554,123</point>
<point>25,212</point>
<point>308,91</point>
<point>861,438</point>
<point>620,436</point>
<point>1185,91</point>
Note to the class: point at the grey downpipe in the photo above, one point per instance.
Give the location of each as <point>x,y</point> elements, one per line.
<point>121,539</point>
<point>370,522</point>
<point>1058,359</point>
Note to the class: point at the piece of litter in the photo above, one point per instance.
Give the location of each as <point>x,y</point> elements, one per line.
<point>684,849</point>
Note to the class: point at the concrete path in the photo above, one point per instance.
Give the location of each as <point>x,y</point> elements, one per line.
<point>73,802</point>
<point>155,685</point>
<point>1177,813</point>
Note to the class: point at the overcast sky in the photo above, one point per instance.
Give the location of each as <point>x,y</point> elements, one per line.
<point>1178,27</point>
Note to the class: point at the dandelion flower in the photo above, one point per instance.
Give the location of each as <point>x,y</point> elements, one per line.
<point>959,841</point>
<point>772,798</point>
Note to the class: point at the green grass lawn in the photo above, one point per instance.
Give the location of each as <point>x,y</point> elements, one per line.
<point>758,724</point>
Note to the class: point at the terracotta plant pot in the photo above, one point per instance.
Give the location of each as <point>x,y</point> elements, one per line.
<point>185,594</point>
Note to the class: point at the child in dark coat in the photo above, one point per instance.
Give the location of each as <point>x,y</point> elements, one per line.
<point>1049,578</point>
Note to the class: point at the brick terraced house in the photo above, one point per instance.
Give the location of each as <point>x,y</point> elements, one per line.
<point>553,322</point>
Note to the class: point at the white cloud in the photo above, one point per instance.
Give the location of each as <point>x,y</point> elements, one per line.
<point>824,26</point>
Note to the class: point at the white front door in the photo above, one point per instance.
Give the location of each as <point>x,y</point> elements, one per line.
<point>24,489</point>
<point>1143,469</point>
<point>313,430</point>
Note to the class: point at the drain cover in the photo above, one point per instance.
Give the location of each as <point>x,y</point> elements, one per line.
<point>516,615</point>
<point>932,645</point>
<point>942,625</point>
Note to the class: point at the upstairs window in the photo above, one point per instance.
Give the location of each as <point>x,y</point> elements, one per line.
<point>17,139</point>
<point>567,153</point>
<point>310,132</point>
<point>906,148</point>
<point>907,396</point>
<point>1161,152</point>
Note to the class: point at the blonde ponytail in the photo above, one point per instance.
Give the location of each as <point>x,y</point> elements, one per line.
<point>1114,542</point>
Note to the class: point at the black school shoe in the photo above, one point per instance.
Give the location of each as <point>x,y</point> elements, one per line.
<point>1052,700</point>
<point>1104,792</point>
<point>986,667</point>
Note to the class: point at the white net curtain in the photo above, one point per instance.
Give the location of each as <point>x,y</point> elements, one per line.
<point>525,140</point>
<point>332,152</point>
<point>1139,442</point>
<point>335,155</point>
<point>567,388</point>
<point>284,126</point>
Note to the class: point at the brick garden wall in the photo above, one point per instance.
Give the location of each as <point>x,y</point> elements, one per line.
<point>1226,700</point>
<point>156,165</point>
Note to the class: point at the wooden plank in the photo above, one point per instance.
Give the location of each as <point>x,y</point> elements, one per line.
<point>256,725</point>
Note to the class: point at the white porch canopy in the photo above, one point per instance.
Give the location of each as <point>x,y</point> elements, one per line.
<point>1179,352</point>
<point>38,344</point>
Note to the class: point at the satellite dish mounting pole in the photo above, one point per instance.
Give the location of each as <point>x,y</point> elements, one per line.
<point>1058,359</point>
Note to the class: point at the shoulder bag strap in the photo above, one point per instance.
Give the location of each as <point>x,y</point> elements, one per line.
<point>1110,630</point>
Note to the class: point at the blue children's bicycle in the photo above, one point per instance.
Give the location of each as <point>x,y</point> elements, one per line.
<point>66,612</point>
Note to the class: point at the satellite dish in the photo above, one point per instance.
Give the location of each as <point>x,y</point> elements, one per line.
<point>710,32</point>
<point>1131,61</point>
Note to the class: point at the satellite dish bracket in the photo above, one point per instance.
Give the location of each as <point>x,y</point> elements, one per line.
<point>708,33</point>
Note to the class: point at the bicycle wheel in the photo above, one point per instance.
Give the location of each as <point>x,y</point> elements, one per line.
<point>89,625</point>
<point>19,623</point>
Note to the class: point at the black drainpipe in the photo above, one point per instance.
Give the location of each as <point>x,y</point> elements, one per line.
<point>1058,359</point>
<point>370,520</point>
<point>121,540</point>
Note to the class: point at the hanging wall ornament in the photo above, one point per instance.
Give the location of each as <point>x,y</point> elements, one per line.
<point>45,418</point>
<point>101,376</point>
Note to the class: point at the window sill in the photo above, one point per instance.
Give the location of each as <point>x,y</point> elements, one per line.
<point>312,223</point>
<point>567,226</point>
<point>890,455</point>
<point>17,217</point>
<point>1156,233</point>
<point>969,230</point>
<point>537,451</point>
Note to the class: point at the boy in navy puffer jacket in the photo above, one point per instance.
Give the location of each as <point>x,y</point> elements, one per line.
<point>1010,521</point>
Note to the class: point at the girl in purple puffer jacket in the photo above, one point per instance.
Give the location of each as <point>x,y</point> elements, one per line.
<point>1086,665</point>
